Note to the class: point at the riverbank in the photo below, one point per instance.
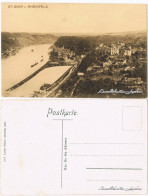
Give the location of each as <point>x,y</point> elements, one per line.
<point>9,53</point>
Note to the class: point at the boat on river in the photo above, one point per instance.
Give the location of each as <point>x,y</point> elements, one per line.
<point>34,64</point>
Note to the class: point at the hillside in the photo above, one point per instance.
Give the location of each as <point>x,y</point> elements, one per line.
<point>84,44</point>
<point>13,40</point>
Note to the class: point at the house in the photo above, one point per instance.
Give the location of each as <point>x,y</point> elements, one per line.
<point>101,44</point>
<point>80,74</point>
<point>106,64</point>
<point>134,80</point>
<point>94,67</point>
<point>115,49</point>
<point>128,51</point>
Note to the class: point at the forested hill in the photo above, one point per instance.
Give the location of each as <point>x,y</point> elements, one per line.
<point>77,44</point>
<point>12,40</point>
<point>84,44</point>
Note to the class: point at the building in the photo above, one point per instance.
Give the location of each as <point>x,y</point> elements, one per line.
<point>134,80</point>
<point>101,45</point>
<point>80,74</point>
<point>121,49</point>
<point>107,64</point>
<point>128,51</point>
<point>121,52</point>
<point>94,67</point>
<point>115,49</point>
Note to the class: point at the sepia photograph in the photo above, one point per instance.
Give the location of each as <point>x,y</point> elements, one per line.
<point>71,50</point>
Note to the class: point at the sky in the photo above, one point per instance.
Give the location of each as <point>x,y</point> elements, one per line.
<point>73,18</point>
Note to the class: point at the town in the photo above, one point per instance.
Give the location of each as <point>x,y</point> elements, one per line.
<point>118,66</point>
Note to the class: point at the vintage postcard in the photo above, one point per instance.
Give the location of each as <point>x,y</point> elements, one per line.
<point>61,147</point>
<point>73,146</point>
<point>74,50</point>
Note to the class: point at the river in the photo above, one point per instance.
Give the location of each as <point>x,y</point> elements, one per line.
<point>18,67</point>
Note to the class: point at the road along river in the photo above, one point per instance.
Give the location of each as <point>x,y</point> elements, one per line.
<point>18,67</point>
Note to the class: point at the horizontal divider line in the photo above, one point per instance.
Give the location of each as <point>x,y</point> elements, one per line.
<point>131,130</point>
<point>81,155</point>
<point>115,168</point>
<point>107,143</point>
<point>62,119</point>
<point>114,180</point>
